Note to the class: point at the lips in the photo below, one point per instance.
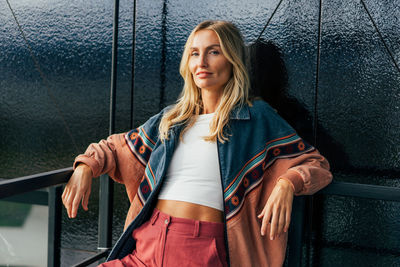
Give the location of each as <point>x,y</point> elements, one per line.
<point>203,74</point>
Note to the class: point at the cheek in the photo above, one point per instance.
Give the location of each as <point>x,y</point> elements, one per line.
<point>228,70</point>
<point>191,66</point>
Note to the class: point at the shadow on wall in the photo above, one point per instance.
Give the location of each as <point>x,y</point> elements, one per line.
<point>269,80</point>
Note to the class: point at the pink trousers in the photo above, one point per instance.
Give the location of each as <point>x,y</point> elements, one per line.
<point>170,241</point>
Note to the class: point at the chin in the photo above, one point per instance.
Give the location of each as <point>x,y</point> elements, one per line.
<point>205,85</point>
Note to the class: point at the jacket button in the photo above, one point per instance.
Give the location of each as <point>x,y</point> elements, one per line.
<point>166,221</point>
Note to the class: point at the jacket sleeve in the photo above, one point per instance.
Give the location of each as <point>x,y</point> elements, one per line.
<point>123,156</point>
<point>296,161</point>
<point>114,157</point>
<point>308,172</point>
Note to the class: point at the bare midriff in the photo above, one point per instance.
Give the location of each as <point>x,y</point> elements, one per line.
<point>182,209</point>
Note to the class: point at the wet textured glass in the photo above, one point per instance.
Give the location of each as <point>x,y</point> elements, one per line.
<point>359,100</point>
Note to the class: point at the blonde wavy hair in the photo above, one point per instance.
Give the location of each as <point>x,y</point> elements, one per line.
<point>236,92</point>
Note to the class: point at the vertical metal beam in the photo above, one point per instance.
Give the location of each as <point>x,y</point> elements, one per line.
<point>132,122</point>
<point>310,199</point>
<point>106,184</point>
<point>163,55</point>
<point>315,119</point>
<point>105,212</point>
<point>54,227</point>
<point>114,64</point>
<point>296,232</point>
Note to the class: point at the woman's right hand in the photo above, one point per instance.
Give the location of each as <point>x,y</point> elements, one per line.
<point>78,190</point>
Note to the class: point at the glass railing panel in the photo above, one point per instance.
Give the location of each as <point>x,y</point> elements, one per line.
<point>23,234</point>
<point>355,231</point>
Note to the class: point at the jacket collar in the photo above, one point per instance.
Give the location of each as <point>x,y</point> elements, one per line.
<point>240,113</point>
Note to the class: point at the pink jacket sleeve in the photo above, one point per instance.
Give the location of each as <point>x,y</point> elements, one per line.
<point>114,157</point>
<point>308,172</point>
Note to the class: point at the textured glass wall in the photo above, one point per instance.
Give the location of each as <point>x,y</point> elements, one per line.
<point>359,106</point>
<point>51,113</point>
<point>356,108</point>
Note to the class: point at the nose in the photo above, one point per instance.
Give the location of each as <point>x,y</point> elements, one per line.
<point>203,60</point>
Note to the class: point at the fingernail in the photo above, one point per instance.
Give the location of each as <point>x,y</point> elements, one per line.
<point>271,237</point>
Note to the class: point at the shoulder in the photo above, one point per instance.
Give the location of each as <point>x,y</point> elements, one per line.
<point>149,130</point>
<point>267,117</point>
<point>260,107</point>
<point>153,122</point>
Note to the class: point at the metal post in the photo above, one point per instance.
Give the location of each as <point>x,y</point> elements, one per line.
<point>133,66</point>
<point>163,55</point>
<point>54,228</point>
<point>310,199</point>
<point>106,184</point>
<point>296,232</point>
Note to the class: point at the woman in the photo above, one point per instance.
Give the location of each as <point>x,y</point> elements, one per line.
<point>211,179</point>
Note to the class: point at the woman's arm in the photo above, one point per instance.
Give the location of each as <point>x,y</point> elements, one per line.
<point>111,156</point>
<point>305,174</point>
<point>104,156</point>
<point>77,190</point>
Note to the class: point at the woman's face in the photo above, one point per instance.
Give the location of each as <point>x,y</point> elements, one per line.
<point>211,70</point>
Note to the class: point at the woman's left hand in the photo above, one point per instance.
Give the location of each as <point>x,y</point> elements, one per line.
<point>278,209</point>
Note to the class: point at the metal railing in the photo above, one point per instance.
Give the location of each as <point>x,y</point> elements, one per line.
<point>375,192</point>
<point>10,190</point>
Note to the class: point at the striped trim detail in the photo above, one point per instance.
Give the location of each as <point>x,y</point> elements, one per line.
<point>147,185</point>
<point>140,144</point>
<point>148,173</point>
<point>250,176</point>
<point>247,167</point>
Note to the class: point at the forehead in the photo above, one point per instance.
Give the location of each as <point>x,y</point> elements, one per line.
<point>204,38</point>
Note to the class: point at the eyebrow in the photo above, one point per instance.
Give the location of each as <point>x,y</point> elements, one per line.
<point>210,46</point>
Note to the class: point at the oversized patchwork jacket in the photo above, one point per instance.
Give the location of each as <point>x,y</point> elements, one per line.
<point>262,148</point>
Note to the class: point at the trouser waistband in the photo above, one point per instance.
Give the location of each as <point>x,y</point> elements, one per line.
<point>187,226</point>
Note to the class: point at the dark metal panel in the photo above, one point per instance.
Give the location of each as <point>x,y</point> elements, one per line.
<point>92,259</point>
<point>106,193</point>
<point>296,233</point>
<point>360,232</point>
<point>54,228</point>
<point>386,193</point>
<point>33,197</point>
<point>33,182</point>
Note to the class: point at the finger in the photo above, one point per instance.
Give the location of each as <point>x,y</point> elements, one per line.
<point>274,224</point>
<point>75,205</point>
<point>68,202</point>
<point>85,200</point>
<point>64,193</point>
<point>64,196</point>
<point>263,211</point>
<point>266,219</point>
<point>281,222</point>
<point>264,225</point>
<point>287,219</point>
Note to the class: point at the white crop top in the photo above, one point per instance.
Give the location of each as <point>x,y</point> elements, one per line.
<point>193,174</point>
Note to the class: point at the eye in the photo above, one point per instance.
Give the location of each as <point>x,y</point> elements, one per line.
<point>194,53</point>
<point>214,52</point>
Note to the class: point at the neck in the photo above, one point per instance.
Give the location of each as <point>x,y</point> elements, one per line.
<point>211,99</point>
